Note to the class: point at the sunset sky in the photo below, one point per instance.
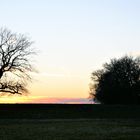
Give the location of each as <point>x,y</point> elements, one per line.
<point>72,38</point>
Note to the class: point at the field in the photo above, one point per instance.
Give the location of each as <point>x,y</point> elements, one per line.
<point>102,129</point>
<point>69,122</point>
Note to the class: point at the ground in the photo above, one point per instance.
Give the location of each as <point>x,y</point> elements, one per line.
<point>70,129</point>
<point>69,122</point>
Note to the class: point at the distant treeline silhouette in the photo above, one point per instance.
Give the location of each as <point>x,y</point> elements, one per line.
<point>118,82</point>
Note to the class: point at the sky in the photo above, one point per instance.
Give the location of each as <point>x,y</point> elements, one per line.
<point>72,38</point>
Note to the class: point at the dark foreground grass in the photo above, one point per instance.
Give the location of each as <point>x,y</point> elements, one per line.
<point>70,129</point>
<point>68,111</point>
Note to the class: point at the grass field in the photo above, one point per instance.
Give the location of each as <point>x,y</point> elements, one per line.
<point>69,122</point>
<point>68,111</point>
<point>69,129</point>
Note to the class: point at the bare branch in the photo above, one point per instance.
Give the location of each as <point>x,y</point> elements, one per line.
<point>15,54</point>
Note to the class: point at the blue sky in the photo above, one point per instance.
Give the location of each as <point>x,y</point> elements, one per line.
<point>73,37</point>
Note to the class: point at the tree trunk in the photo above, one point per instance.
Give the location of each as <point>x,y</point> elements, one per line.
<point>1,73</point>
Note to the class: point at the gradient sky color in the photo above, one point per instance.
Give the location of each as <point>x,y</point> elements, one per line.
<point>73,38</point>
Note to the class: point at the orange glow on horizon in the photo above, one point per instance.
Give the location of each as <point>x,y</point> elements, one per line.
<point>60,86</point>
<point>42,99</point>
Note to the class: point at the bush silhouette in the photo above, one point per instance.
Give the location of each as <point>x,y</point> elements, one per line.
<point>118,82</point>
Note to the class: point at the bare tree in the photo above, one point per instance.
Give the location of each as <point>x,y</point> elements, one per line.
<point>15,54</point>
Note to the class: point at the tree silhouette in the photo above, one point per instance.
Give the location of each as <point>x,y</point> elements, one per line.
<point>15,53</point>
<point>118,82</point>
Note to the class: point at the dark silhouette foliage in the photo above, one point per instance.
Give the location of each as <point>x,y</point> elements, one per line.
<point>15,53</point>
<point>118,82</point>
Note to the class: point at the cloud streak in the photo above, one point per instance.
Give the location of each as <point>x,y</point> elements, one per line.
<point>45,74</point>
